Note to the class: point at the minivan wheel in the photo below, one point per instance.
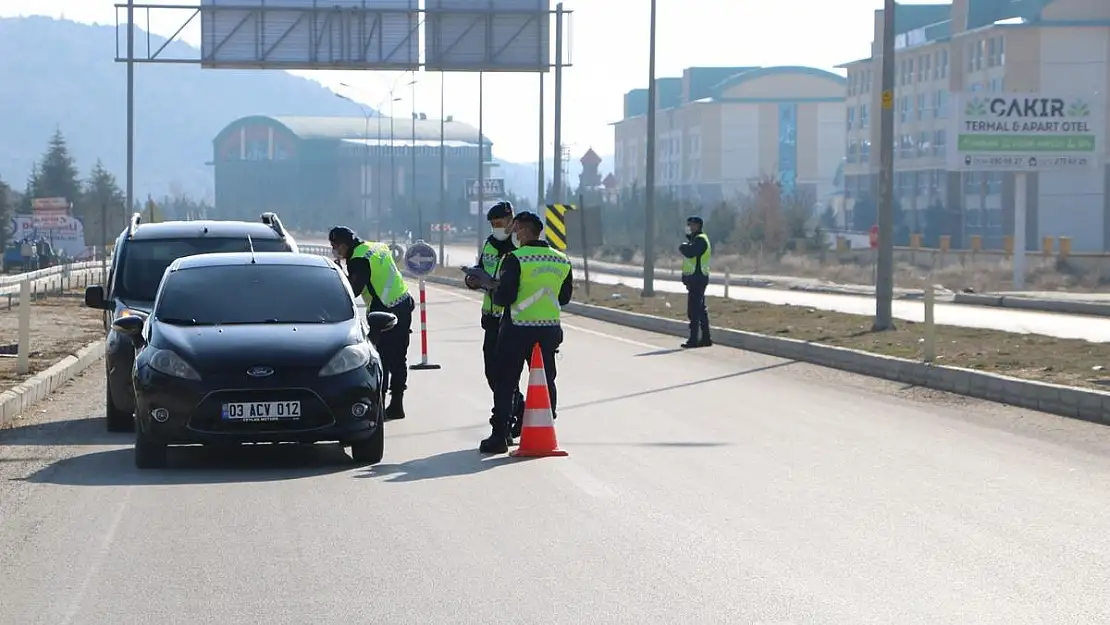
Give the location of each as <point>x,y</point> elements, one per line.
<point>149,454</point>
<point>117,420</point>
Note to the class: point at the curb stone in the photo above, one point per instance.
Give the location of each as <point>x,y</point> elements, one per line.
<point>20,399</point>
<point>1066,401</point>
<point>1028,303</point>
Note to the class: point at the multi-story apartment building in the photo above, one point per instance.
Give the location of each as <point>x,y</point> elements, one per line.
<point>990,46</point>
<point>718,128</point>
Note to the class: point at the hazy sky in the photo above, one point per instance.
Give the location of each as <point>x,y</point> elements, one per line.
<point>609,48</point>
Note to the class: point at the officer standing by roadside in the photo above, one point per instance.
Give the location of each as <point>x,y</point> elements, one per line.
<point>373,274</point>
<point>535,284</point>
<point>696,253</point>
<point>497,245</point>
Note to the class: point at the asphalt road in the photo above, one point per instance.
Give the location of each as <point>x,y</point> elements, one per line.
<point>712,486</point>
<point>1088,328</point>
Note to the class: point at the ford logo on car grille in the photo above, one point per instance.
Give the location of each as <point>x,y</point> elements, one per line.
<point>260,372</point>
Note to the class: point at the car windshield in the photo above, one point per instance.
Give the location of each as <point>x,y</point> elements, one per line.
<point>248,294</point>
<point>144,261</point>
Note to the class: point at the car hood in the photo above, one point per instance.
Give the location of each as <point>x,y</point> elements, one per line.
<point>273,345</point>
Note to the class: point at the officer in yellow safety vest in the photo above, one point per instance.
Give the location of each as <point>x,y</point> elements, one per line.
<point>696,253</point>
<point>497,245</point>
<point>535,284</point>
<point>374,275</point>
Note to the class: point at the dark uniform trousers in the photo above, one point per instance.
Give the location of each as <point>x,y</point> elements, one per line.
<point>696,310</point>
<point>514,352</point>
<point>491,329</point>
<point>393,347</point>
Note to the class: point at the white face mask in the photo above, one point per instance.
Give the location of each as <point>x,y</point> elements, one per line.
<point>499,233</point>
<point>689,230</point>
<point>516,241</point>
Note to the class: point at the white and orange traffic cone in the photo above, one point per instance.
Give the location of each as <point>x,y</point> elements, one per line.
<point>537,435</point>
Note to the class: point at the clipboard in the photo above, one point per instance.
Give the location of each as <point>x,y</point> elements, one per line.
<point>485,282</point>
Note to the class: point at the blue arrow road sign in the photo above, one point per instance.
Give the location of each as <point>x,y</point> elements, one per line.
<point>420,258</point>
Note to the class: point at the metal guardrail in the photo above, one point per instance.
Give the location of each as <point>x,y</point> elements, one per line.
<point>38,274</point>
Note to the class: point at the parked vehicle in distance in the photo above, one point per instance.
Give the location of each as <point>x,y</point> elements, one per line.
<point>140,258</point>
<point>256,348</point>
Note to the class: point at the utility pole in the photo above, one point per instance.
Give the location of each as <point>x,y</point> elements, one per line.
<point>442,171</point>
<point>884,270</point>
<point>541,181</point>
<point>130,111</point>
<point>557,175</point>
<point>649,178</point>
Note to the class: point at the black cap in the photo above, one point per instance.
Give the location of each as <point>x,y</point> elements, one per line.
<point>342,235</point>
<point>499,211</point>
<point>528,217</point>
<point>694,219</point>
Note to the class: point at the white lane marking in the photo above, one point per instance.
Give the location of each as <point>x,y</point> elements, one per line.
<point>576,328</point>
<point>99,557</point>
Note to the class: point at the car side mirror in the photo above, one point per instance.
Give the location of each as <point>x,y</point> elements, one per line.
<point>380,321</point>
<point>130,326</point>
<point>94,297</point>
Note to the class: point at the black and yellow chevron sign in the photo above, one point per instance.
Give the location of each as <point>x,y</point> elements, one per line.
<point>555,228</point>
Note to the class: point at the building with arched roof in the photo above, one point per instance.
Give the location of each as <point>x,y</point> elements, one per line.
<point>318,171</point>
<point>718,128</point>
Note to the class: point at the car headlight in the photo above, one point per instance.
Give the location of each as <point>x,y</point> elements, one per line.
<point>169,363</point>
<point>347,359</point>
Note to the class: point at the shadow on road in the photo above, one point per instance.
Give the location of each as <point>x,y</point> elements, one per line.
<point>674,387</point>
<point>674,444</point>
<point>69,432</point>
<point>198,465</point>
<point>448,464</point>
<point>663,352</point>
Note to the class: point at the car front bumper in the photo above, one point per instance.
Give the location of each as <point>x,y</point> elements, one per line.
<point>195,409</point>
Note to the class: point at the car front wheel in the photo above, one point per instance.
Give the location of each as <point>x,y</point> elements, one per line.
<point>149,454</point>
<point>371,450</point>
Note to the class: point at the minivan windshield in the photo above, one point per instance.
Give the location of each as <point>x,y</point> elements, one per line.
<point>144,261</point>
<point>248,294</point>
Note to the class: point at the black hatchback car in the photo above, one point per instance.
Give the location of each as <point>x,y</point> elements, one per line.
<point>256,348</point>
<point>142,254</point>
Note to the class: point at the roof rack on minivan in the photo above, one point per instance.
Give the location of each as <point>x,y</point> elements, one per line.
<point>271,219</point>
<point>134,225</point>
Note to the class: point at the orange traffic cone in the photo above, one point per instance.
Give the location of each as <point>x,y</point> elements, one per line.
<point>537,436</point>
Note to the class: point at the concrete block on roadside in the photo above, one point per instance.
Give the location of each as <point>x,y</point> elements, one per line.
<point>23,397</point>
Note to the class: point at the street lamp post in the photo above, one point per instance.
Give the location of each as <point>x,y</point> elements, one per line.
<point>365,174</point>
<point>649,177</point>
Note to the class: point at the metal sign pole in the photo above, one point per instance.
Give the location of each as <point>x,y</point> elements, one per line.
<point>421,259</point>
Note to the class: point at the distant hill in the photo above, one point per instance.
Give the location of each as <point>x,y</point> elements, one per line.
<point>62,74</point>
<point>66,77</point>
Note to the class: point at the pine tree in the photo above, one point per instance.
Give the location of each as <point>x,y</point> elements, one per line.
<point>101,199</point>
<point>57,175</point>
<point>30,191</point>
<point>5,212</point>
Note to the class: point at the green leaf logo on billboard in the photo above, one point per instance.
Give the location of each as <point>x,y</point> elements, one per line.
<point>1078,108</point>
<point>976,107</point>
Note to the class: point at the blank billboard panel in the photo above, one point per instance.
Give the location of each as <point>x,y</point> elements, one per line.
<point>310,34</point>
<point>487,35</point>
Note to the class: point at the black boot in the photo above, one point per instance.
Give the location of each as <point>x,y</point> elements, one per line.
<point>396,408</point>
<point>692,342</point>
<point>518,416</point>
<point>705,340</point>
<point>495,444</point>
